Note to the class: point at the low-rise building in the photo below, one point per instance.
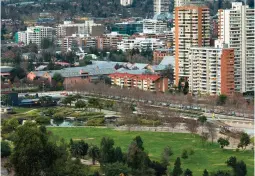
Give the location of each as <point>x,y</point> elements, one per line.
<point>141,44</point>
<point>153,26</point>
<point>211,70</point>
<point>87,28</point>
<point>128,28</point>
<point>159,54</point>
<point>146,82</point>
<point>109,41</point>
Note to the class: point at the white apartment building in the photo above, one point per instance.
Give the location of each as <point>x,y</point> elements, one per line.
<point>69,28</point>
<point>35,34</point>
<point>236,28</point>
<point>211,70</point>
<point>140,43</point>
<point>191,28</point>
<point>22,37</point>
<point>161,6</point>
<point>126,2</point>
<point>152,26</point>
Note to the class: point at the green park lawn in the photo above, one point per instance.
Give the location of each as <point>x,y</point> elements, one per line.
<point>209,157</point>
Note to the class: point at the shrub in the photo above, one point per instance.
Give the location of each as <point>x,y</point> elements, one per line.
<point>59,116</point>
<point>95,122</point>
<point>49,111</point>
<point>5,149</point>
<point>185,154</point>
<point>191,151</point>
<point>43,120</point>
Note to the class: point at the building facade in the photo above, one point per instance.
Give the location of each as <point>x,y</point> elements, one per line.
<point>159,54</point>
<point>152,26</point>
<point>153,83</point>
<point>37,33</point>
<point>140,43</point>
<point>87,28</point>
<point>192,28</point>
<point>236,28</point>
<point>161,6</point>
<point>126,2</point>
<point>128,28</point>
<point>211,70</point>
<point>21,37</point>
<point>109,41</point>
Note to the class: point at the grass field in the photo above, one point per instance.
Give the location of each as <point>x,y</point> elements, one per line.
<point>209,157</point>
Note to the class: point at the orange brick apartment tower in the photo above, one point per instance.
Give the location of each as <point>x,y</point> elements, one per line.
<point>192,28</point>
<point>227,72</point>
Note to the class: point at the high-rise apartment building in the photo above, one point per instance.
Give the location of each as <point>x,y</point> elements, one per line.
<point>211,70</point>
<point>35,34</point>
<point>192,28</point>
<point>161,6</point>
<point>236,28</point>
<point>126,2</point>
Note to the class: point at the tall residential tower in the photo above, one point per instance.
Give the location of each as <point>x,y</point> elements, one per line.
<point>236,29</point>
<point>192,29</point>
<point>161,6</point>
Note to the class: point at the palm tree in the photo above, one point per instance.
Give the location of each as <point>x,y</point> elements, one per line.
<point>94,153</point>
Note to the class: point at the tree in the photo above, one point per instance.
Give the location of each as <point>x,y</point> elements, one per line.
<point>232,162</point>
<point>223,142</point>
<point>244,140</point>
<point>191,126</point>
<point>204,137</point>
<point>139,142</point>
<point>33,48</point>
<point>118,154</point>
<point>9,126</point>
<point>185,154</point>
<point>186,88</point>
<point>17,72</point>
<point>205,173</point>
<point>107,151</point>
<point>177,171</point>
<point>93,102</point>
<point>239,168</point>
<point>116,169</point>
<point>80,104</point>
<point>187,172</point>
<point>34,154</point>
<point>46,43</point>
<point>159,168</point>
<point>137,159</point>
<point>5,149</point>
<point>79,149</point>
<point>165,156</point>
<point>211,130</point>
<point>30,66</point>
<point>58,78</point>
<point>202,120</point>
<point>221,173</point>
<point>94,153</point>
<point>46,100</point>
<point>222,99</point>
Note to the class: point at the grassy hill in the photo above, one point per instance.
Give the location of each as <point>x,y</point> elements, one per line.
<point>209,157</point>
